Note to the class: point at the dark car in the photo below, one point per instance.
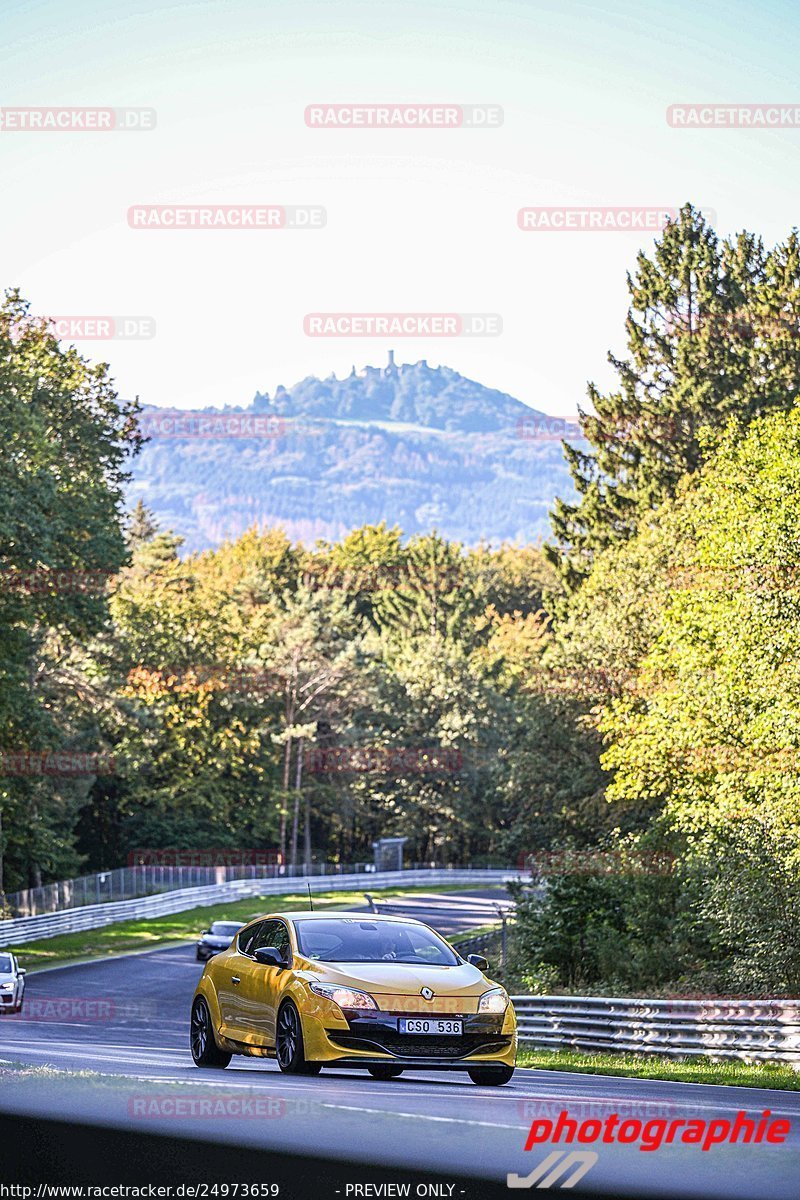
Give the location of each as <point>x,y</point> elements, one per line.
<point>217,938</point>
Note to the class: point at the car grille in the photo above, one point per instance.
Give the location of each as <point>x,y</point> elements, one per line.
<point>423,1047</point>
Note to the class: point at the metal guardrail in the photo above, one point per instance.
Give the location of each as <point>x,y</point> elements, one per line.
<point>480,943</point>
<point>751,1030</point>
<point>134,882</point>
<point>93,916</point>
<point>484,912</point>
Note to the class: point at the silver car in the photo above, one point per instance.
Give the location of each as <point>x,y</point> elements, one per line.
<point>12,983</point>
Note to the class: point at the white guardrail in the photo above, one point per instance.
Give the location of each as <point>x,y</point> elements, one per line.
<point>19,930</point>
<point>751,1030</point>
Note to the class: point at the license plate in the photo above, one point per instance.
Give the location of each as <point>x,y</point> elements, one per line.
<point>438,1025</point>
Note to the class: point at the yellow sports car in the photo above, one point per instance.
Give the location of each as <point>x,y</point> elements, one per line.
<point>343,990</point>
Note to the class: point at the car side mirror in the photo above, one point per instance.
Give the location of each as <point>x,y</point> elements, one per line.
<point>205,931</point>
<point>22,971</point>
<point>268,956</point>
<point>478,961</point>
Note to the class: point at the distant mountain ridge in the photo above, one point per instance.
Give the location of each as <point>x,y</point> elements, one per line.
<point>417,446</point>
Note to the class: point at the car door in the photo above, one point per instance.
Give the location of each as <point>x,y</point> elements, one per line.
<point>231,978</point>
<point>275,981</point>
<point>20,981</point>
<point>259,997</point>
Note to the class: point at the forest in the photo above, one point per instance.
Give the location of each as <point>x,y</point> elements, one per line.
<point>623,696</point>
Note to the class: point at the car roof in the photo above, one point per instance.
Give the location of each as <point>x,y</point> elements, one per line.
<point>305,915</point>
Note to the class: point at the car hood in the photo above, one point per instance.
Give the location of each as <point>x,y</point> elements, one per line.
<point>214,940</point>
<point>398,979</point>
<point>7,977</point>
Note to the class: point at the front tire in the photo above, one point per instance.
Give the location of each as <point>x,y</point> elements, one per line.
<point>385,1072</point>
<point>289,1049</point>
<point>205,1051</point>
<point>490,1076</point>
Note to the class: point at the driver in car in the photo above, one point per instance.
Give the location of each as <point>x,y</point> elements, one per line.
<point>394,945</point>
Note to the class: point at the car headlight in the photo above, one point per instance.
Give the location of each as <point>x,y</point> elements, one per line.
<point>343,996</point>
<point>6,987</point>
<point>495,1001</point>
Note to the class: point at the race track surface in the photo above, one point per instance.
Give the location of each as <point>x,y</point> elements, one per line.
<point>123,1022</point>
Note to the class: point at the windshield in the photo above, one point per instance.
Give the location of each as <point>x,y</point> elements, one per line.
<point>225,928</point>
<point>5,964</point>
<point>352,940</point>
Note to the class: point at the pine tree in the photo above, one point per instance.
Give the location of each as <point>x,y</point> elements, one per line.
<point>711,336</point>
<point>141,527</point>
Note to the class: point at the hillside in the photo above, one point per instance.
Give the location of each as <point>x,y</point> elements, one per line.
<point>418,446</point>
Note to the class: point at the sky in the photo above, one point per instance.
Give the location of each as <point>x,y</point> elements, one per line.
<point>417,220</point>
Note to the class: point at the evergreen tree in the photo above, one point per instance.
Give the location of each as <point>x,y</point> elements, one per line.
<point>712,336</point>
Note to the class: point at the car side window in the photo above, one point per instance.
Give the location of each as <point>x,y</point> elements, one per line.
<point>245,942</point>
<point>267,932</point>
<point>282,941</point>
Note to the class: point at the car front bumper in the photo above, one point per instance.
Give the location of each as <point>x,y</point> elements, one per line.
<point>206,952</point>
<point>366,1040</point>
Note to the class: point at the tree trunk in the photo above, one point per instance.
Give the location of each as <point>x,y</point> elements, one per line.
<point>307,834</point>
<point>287,758</point>
<point>297,786</point>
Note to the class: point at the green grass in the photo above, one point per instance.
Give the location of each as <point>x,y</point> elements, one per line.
<point>152,932</point>
<point>652,1066</point>
<point>479,930</point>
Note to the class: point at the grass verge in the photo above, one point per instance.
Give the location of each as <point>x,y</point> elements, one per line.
<point>152,932</point>
<point>781,1076</point>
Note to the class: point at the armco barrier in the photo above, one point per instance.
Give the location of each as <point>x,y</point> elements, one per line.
<point>93,916</point>
<point>751,1030</point>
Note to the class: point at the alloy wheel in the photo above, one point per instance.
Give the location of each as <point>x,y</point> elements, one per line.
<point>288,1035</point>
<point>200,1031</point>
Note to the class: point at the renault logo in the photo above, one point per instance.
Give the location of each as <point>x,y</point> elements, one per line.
<point>426,993</point>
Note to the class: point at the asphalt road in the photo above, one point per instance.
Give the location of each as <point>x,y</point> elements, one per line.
<point>123,1022</point>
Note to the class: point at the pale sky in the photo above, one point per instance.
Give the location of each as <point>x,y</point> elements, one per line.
<point>417,220</point>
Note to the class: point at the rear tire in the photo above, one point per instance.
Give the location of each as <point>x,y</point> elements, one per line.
<point>385,1072</point>
<point>289,1048</point>
<point>490,1076</point>
<point>205,1051</point>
